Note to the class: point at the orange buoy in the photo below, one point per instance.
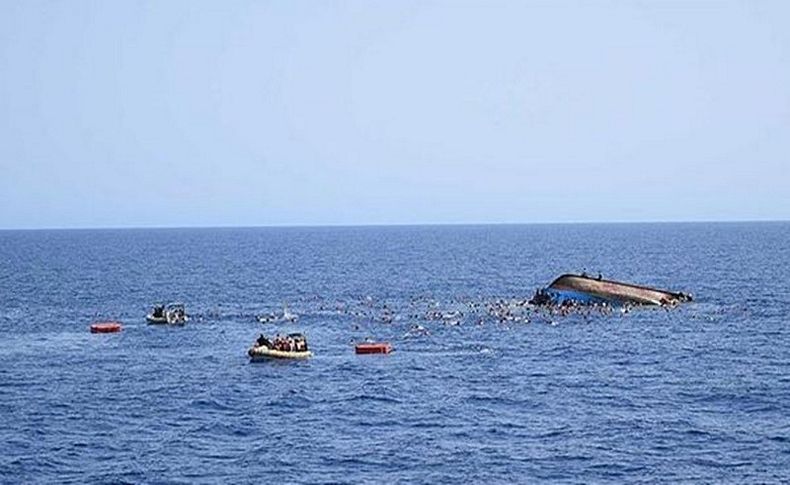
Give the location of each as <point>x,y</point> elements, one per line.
<point>106,327</point>
<point>373,348</point>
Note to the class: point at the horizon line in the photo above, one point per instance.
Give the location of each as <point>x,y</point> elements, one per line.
<point>395,224</point>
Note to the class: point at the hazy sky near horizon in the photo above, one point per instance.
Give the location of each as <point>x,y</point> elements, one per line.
<point>187,113</point>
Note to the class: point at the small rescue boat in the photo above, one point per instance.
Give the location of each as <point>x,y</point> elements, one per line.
<point>292,346</point>
<point>173,314</point>
<point>106,327</point>
<point>373,348</point>
<point>262,353</point>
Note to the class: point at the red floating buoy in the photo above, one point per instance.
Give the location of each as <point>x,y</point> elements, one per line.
<point>106,327</point>
<point>373,348</point>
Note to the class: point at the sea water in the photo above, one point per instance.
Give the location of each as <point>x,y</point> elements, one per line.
<point>700,393</point>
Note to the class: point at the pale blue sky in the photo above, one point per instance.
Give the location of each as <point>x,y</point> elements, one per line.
<point>255,113</point>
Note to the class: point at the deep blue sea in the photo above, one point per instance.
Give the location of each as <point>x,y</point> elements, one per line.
<point>697,394</point>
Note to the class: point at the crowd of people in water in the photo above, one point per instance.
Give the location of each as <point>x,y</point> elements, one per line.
<point>422,316</point>
<point>502,311</point>
<point>419,313</point>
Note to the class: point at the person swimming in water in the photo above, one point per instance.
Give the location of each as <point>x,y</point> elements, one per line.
<point>417,330</point>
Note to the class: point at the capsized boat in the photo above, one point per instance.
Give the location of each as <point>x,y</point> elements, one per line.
<point>173,314</point>
<point>586,290</point>
<point>292,346</point>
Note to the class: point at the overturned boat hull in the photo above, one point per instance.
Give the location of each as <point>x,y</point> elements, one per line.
<point>582,289</point>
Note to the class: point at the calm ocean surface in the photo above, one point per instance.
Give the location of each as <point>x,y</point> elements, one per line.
<point>698,394</point>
